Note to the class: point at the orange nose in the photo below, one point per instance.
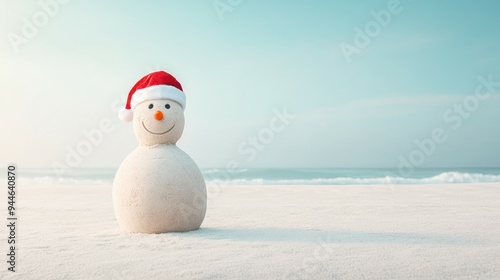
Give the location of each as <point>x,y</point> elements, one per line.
<point>159,115</point>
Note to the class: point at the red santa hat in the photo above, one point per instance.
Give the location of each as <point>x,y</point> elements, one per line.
<point>157,85</point>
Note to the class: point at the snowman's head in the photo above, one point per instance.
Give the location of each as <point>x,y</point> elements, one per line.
<point>158,121</point>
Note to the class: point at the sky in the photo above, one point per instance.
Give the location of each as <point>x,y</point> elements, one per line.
<point>268,84</point>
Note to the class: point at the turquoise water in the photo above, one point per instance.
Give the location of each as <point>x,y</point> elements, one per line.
<point>283,176</point>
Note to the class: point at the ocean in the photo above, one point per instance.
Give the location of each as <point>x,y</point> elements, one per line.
<point>281,176</point>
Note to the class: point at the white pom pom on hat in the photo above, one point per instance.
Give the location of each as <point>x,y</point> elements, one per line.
<point>157,85</point>
<point>126,115</point>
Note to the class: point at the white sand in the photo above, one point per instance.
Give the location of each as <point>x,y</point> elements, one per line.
<point>263,232</point>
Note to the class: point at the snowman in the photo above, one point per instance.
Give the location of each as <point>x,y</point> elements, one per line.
<point>158,187</point>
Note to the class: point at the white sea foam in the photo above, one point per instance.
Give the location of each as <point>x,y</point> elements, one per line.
<point>443,178</point>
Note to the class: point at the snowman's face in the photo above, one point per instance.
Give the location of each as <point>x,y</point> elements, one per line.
<point>158,121</point>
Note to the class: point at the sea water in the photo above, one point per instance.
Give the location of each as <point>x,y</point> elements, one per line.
<point>281,176</point>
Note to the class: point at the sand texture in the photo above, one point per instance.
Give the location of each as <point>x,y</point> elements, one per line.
<point>268,232</point>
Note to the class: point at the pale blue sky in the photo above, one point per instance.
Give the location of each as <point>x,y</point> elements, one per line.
<point>236,70</point>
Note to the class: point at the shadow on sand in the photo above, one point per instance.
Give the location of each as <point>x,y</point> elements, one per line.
<point>328,236</point>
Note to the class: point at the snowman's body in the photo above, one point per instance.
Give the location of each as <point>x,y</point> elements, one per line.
<point>158,188</point>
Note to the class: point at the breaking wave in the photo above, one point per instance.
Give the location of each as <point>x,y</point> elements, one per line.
<point>443,178</point>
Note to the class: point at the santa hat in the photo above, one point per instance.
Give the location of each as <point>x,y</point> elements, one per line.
<point>157,85</point>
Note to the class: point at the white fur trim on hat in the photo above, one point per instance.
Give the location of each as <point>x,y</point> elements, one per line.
<point>158,92</point>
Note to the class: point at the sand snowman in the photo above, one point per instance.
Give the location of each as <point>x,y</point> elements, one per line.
<point>158,188</point>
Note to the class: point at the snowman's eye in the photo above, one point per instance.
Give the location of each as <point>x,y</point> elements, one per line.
<point>150,106</point>
<point>167,106</point>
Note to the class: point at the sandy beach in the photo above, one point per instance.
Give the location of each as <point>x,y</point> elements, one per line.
<point>268,232</point>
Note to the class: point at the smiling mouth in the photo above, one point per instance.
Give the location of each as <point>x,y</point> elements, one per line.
<point>161,133</point>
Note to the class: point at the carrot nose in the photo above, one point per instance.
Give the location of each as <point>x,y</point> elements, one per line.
<point>159,115</point>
